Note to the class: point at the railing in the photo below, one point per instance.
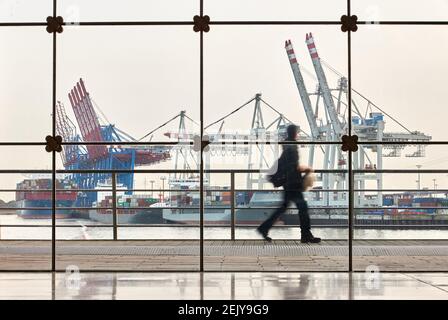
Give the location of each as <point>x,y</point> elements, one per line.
<point>232,206</point>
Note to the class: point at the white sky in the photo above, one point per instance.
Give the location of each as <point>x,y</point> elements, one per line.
<point>142,76</point>
<point>90,10</point>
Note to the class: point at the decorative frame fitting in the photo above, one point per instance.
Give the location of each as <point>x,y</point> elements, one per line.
<point>53,143</point>
<point>349,143</point>
<point>54,24</point>
<point>349,23</point>
<point>201,23</point>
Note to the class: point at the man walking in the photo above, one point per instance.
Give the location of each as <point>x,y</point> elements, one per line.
<point>293,191</point>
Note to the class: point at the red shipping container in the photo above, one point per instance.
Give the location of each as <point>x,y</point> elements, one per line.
<point>428,204</point>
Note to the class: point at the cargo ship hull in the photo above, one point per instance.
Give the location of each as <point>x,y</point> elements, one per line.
<point>254,207</point>
<point>131,209</point>
<point>217,216</point>
<point>416,211</point>
<point>35,198</point>
<point>291,217</point>
<point>128,216</point>
<point>246,216</point>
<point>42,209</point>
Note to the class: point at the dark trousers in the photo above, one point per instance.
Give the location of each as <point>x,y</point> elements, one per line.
<point>296,197</point>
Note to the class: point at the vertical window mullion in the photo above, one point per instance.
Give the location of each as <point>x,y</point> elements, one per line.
<point>201,150</point>
<point>53,154</point>
<point>350,165</point>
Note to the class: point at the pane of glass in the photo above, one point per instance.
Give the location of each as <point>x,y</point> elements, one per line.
<point>401,205</point>
<point>74,197</point>
<point>25,100</point>
<point>136,87</point>
<point>140,91</point>
<point>132,10</point>
<point>403,80</point>
<point>254,204</point>
<point>258,74</point>
<point>403,212</point>
<point>25,209</point>
<point>400,97</point>
<point>155,202</point>
<point>407,232</point>
<point>253,97</point>
<point>142,216</point>
<point>275,10</point>
<point>23,158</point>
<point>377,10</point>
<point>25,10</point>
<point>404,156</point>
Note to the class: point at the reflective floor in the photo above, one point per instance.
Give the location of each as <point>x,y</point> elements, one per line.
<point>258,286</point>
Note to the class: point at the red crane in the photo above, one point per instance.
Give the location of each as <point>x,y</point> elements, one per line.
<point>87,120</point>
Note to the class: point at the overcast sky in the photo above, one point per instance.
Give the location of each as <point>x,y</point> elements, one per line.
<point>142,76</point>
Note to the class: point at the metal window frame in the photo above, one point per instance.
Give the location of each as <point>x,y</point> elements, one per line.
<point>351,171</point>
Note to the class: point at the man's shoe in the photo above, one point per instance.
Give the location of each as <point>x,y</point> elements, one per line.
<point>310,239</point>
<point>264,234</point>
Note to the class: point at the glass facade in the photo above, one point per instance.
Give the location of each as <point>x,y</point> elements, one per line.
<point>138,136</point>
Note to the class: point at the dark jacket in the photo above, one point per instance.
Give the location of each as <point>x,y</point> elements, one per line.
<point>290,163</point>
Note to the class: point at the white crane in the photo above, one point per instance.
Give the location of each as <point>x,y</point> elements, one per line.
<point>316,132</point>
<point>335,127</point>
<point>323,85</point>
<point>368,127</point>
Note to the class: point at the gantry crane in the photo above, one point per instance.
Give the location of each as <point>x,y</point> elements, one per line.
<point>99,157</point>
<point>369,127</point>
<point>335,127</point>
<point>316,131</point>
<point>222,143</point>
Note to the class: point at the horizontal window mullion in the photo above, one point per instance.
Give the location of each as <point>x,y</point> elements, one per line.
<point>275,22</point>
<point>23,24</point>
<point>224,22</point>
<point>218,143</point>
<point>409,143</point>
<point>404,22</point>
<point>29,143</point>
<point>128,23</point>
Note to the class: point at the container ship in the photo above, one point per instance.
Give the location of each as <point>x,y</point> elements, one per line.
<point>183,205</point>
<point>131,209</point>
<point>252,208</point>
<point>34,196</point>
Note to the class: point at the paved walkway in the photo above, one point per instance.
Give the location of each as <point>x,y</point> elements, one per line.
<point>226,255</point>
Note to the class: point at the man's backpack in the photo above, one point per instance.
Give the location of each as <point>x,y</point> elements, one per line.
<point>277,175</point>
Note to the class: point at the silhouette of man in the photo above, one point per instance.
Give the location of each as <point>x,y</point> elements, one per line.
<point>293,189</point>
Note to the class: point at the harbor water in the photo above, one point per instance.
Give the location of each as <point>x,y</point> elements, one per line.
<point>79,229</point>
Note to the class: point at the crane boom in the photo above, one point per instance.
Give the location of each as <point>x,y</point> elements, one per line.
<point>67,130</point>
<point>302,89</point>
<point>87,119</point>
<point>323,84</point>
